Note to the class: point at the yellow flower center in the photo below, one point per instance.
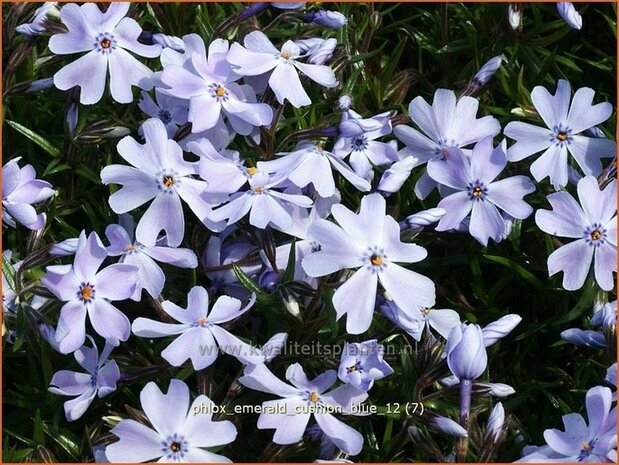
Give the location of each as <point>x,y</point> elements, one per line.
<point>596,235</point>
<point>586,447</point>
<point>168,181</point>
<point>376,259</point>
<point>426,311</point>
<point>252,170</point>
<point>202,321</point>
<point>221,91</point>
<point>313,397</point>
<point>477,192</point>
<point>258,189</point>
<point>351,368</point>
<point>131,248</point>
<point>286,55</point>
<point>86,293</point>
<point>106,43</point>
<point>562,136</point>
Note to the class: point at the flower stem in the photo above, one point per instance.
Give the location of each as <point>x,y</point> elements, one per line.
<point>462,444</point>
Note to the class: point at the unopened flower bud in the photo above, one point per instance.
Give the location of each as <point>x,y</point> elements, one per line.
<point>495,422</point>
<point>488,70</point>
<point>569,14</point>
<point>466,353</point>
<point>331,19</point>
<point>500,328</point>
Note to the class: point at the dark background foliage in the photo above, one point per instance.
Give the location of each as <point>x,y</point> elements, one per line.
<point>388,54</point>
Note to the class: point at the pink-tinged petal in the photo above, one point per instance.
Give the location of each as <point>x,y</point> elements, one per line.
<point>119,239</point>
<point>75,408</point>
<point>395,249</point>
<point>137,443</point>
<point>71,330</point>
<point>69,383</point>
<point>266,210</point>
<point>453,171</point>
<point>89,72</point>
<point>201,431</point>
<point>486,223</point>
<point>126,71</point>
<point>165,213</point>
<point>250,63</point>
<point>583,115</point>
<point>529,139</point>
<point>127,33</point>
<point>109,322</point>
<point>552,163</point>
<point>232,345</point>
<point>487,162</point>
<point>343,436</point>
<point>259,378</point>
<point>182,258</point>
<point>80,35</point>
<point>552,108</point>
<point>574,259</point>
<point>166,412</point>
<point>605,263</point>
<point>357,298</point>
<point>566,219</point>
<point>599,206</point>
<point>289,427</point>
<point>507,194</point>
<point>234,210</point>
<point>225,309</point>
<point>598,400</point>
<point>321,74</point>
<point>408,289</point>
<point>457,207</point>
<point>116,282</point>
<point>138,187</point>
<point>588,151</point>
<point>286,85</point>
<point>366,227</point>
<point>145,327</point>
<point>88,257</point>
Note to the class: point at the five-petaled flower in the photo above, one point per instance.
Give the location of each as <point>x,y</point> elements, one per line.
<point>106,37</point>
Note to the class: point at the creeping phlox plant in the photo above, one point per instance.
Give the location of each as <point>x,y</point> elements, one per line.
<point>284,241</point>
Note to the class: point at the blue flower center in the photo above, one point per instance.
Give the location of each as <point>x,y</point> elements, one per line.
<point>165,116</point>
<point>477,191</point>
<point>595,235</point>
<point>105,43</point>
<point>175,447</point>
<point>359,143</point>
<point>561,135</point>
